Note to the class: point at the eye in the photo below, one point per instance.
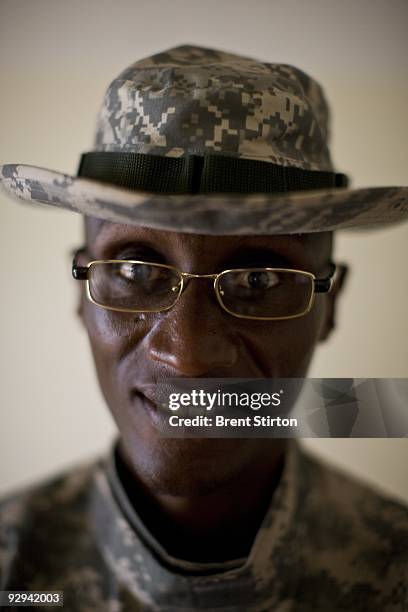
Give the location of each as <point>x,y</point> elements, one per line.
<point>257,279</point>
<point>139,273</point>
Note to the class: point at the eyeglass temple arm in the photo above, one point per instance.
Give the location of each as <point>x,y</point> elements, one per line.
<point>323,285</point>
<point>79,272</point>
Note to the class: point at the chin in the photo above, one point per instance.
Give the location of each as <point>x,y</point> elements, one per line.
<point>188,467</point>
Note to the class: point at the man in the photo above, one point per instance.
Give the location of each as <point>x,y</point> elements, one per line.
<point>210,185</point>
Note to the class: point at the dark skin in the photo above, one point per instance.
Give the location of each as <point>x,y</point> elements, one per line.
<point>203,499</point>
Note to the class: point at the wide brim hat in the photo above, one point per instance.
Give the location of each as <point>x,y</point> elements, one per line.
<point>203,141</point>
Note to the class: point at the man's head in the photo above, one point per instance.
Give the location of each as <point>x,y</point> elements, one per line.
<point>197,338</point>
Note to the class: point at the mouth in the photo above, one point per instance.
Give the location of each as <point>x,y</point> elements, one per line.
<point>154,399</point>
<point>155,411</point>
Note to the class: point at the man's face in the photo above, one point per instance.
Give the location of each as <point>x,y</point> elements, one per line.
<point>196,338</point>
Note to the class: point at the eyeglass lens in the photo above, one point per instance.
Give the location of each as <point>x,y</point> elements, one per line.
<point>266,293</point>
<point>133,286</point>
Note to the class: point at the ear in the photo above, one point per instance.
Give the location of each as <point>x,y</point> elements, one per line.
<point>342,272</point>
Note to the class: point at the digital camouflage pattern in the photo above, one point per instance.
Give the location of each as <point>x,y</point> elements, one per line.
<point>195,100</point>
<point>327,543</point>
<point>198,100</point>
<point>211,214</point>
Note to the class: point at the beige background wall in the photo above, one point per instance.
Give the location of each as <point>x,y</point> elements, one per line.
<point>56,58</point>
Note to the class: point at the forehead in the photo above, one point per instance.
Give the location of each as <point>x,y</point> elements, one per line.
<point>101,234</point>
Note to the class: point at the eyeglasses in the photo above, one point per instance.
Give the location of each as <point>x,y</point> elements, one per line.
<point>270,294</point>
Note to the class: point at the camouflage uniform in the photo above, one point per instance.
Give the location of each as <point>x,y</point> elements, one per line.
<point>327,543</point>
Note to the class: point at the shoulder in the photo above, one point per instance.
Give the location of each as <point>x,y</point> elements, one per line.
<point>353,498</point>
<point>51,510</point>
<point>57,490</point>
<point>358,535</point>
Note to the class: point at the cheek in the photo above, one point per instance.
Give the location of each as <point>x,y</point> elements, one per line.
<point>111,335</point>
<point>108,327</point>
<point>284,349</point>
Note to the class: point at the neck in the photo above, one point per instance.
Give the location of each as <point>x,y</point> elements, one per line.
<point>218,526</point>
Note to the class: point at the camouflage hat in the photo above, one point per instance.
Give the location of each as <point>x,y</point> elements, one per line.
<point>199,140</point>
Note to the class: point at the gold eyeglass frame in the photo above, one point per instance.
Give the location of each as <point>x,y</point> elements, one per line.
<point>82,273</point>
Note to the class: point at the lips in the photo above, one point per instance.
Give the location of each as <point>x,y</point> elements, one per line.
<point>155,399</point>
<point>150,401</point>
<point>158,404</point>
<point>155,412</point>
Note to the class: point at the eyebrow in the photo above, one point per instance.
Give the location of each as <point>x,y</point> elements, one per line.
<point>103,224</point>
<point>280,246</point>
<point>244,241</point>
<point>270,256</point>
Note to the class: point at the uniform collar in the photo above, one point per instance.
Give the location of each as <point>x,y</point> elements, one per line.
<point>151,574</point>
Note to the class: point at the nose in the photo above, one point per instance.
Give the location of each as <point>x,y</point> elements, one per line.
<point>193,338</point>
